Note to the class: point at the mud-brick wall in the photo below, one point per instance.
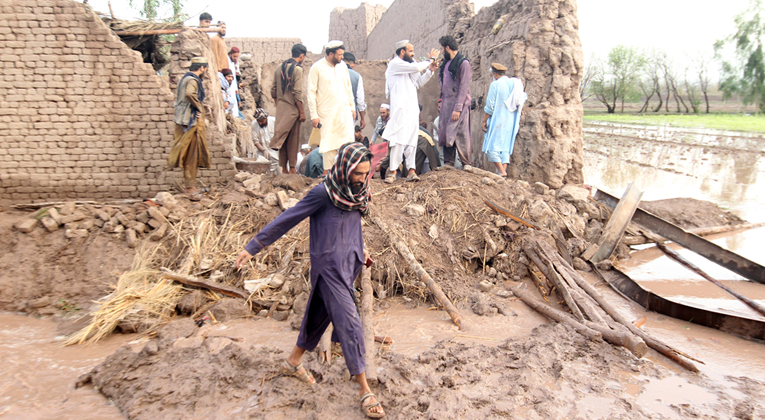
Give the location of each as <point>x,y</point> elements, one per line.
<point>264,50</point>
<point>81,116</point>
<point>353,26</point>
<point>420,21</point>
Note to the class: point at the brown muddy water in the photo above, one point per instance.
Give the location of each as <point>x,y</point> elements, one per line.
<point>723,167</point>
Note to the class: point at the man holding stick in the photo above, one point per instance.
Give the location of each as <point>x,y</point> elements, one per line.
<point>337,249</point>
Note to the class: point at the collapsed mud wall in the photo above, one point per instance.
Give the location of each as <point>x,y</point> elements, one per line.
<point>264,50</point>
<point>353,26</point>
<point>540,45</point>
<point>82,116</point>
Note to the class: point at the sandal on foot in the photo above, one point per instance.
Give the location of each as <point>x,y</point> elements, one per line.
<point>412,178</point>
<point>194,196</point>
<point>366,407</point>
<point>389,179</point>
<point>305,376</point>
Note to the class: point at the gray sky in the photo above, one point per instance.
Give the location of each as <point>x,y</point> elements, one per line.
<point>682,27</point>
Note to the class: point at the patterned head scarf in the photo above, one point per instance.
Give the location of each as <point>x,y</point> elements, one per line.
<point>338,181</point>
<point>260,113</point>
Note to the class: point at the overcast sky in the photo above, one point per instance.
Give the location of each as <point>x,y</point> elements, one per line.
<point>682,27</point>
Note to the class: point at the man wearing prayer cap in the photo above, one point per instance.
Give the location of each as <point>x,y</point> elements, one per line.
<point>287,92</point>
<point>330,102</point>
<point>334,207</point>
<point>189,149</point>
<point>382,121</point>
<point>262,133</point>
<point>454,127</point>
<point>502,117</point>
<point>402,79</point>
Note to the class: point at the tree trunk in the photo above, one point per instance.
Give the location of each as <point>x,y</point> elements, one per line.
<point>706,100</point>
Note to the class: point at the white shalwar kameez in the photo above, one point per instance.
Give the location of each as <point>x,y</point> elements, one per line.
<point>402,79</point>
<point>330,99</point>
<point>234,108</point>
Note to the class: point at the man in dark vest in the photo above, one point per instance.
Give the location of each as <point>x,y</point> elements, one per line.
<point>454,117</point>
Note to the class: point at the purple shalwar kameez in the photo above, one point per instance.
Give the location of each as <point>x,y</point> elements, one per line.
<point>454,136</point>
<point>337,256</point>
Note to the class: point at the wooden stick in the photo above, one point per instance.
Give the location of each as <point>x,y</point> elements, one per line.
<point>507,213</point>
<point>616,315</point>
<point>366,323</point>
<point>481,172</point>
<point>675,256</point>
<point>586,328</point>
<point>110,9</point>
<point>161,31</point>
<point>197,282</point>
<point>407,255</point>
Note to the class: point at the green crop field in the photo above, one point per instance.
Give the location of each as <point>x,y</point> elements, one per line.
<point>731,122</point>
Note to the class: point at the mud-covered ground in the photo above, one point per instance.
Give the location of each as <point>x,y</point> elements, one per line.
<point>471,251</point>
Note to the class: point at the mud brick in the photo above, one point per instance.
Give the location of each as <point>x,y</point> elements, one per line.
<point>74,217</point>
<point>55,215</point>
<point>87,224</point>
<point>49,224</point>
<point>68,208</point>
<point>123,219</point>
<point>119,228</point>
<point>142,217</point>
<point>159,233</point>
<point>26,225</point>
<point>130,238</point>
<point>165,211</point>
<point>103,216</point>
<point>75,233</point>
<point>98,222</point>
<point>71,226</point>
<point>173,218</point>
<point>154,223</point>
<point>282,198</point>
<point>156,215</point>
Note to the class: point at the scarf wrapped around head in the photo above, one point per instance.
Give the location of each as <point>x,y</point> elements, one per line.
<point>288,66</point>
<point>338,181</point>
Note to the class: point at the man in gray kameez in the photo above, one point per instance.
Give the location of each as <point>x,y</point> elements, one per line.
<point>454,117</point>
<point>337,251</point>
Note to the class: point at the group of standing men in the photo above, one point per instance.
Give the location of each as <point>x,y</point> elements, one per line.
<point>337,204</point>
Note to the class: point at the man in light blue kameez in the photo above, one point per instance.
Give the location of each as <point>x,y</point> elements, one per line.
<point>502,116</point>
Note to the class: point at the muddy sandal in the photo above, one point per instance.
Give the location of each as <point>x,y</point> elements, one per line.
<point>366,407</point>
<point>305,376</point>
<point>412,178</point>
<point>390,179</point>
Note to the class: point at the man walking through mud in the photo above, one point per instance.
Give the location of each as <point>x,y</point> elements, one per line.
<point>337,251</point>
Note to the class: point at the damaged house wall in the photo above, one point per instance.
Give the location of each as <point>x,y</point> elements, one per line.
<point>353,26</point>
<point>264,50</point>
<point>539,44</point>
<point>82,116</point>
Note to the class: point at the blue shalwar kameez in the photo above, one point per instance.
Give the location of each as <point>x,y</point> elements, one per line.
<point>337,256</point>
<point>503,124</point>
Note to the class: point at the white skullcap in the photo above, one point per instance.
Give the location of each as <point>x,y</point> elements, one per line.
<point>305,146</point>
<point>386,106</point>
<point>333,44</point>
<point>402,44</point>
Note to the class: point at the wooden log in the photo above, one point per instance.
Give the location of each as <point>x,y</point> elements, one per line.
<point>555,279</point>
<point>325,346</point>
<point>618,317</point>
<point>482,172</point>
<point>675,256</point>
<point>617,223</point>
<point>197,282</point>
<point>406,254</point>
<point>507,213</point>
<point>367,300</point>
<point>161,31</point>
<point>586,328</point>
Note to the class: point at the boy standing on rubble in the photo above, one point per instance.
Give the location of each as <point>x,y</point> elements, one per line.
<point>337,250</point>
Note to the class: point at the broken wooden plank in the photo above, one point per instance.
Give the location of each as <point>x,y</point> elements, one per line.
<point>711,251</point>
<point>507,213</point>
<point>617,223</point>
<point>197,282</point>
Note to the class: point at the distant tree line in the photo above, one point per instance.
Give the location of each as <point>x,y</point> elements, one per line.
<point>630,75</point>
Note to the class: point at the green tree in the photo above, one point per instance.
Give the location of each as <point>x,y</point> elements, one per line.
<point>617,79</point>
<point>150,9</point>
<point>745,73</point>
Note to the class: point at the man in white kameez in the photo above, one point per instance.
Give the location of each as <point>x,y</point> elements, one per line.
<point>233,90</point>
<point>331,104</point>
<point>262,133</point>
<point>402,79</point>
